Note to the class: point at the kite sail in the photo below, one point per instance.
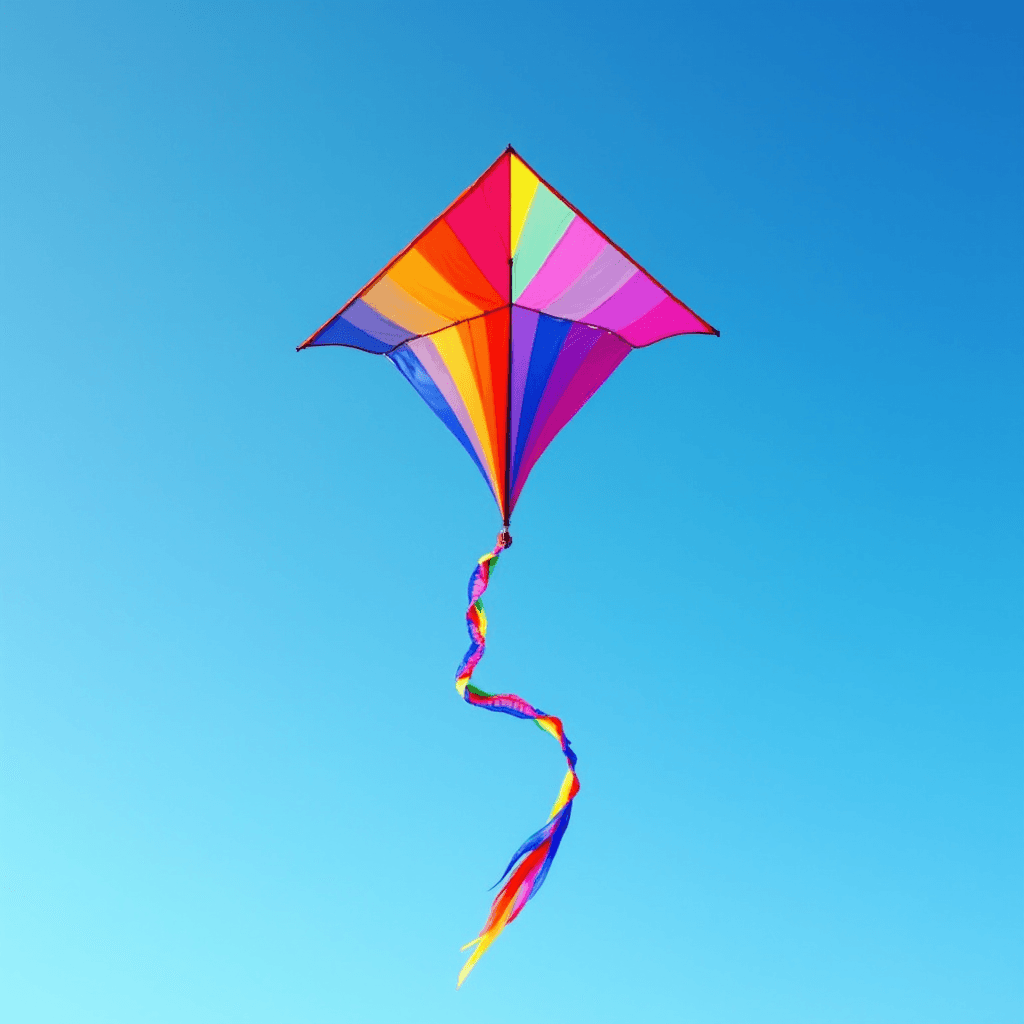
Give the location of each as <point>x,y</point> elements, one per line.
<point>506,314</point>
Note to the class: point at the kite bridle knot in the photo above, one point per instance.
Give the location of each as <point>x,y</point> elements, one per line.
<point>504,538</point>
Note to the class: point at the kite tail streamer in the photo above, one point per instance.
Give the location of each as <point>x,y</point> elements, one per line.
<point>529,865</point>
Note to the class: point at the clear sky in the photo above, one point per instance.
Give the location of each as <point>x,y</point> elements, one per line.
<point>772,582</point>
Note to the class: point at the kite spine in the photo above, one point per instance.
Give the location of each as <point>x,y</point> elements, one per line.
<point>506,512</point>
<point>529,865</point>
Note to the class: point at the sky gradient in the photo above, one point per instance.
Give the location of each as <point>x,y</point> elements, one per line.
<point>771,582</point>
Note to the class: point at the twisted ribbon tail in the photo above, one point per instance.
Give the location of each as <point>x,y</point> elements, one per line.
<point>532,861</point>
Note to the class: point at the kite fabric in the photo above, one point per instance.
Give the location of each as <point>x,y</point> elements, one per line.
<point>506,314</point>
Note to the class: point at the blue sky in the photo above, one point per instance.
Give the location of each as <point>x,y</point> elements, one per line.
<point>771,582</point>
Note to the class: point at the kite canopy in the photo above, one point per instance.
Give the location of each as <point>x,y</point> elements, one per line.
<point>506,314</point>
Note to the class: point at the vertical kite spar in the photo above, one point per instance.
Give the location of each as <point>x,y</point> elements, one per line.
<point>506,314</point>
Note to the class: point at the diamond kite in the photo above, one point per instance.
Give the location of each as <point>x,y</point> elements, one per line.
<point>506,314</point>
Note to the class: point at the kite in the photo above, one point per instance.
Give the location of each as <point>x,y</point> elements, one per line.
<point>506,314</point>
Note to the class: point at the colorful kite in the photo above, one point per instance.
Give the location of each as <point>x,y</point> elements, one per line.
<point>506,314</point>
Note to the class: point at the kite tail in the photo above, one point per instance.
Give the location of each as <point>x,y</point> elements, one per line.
<point>529,865</point>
